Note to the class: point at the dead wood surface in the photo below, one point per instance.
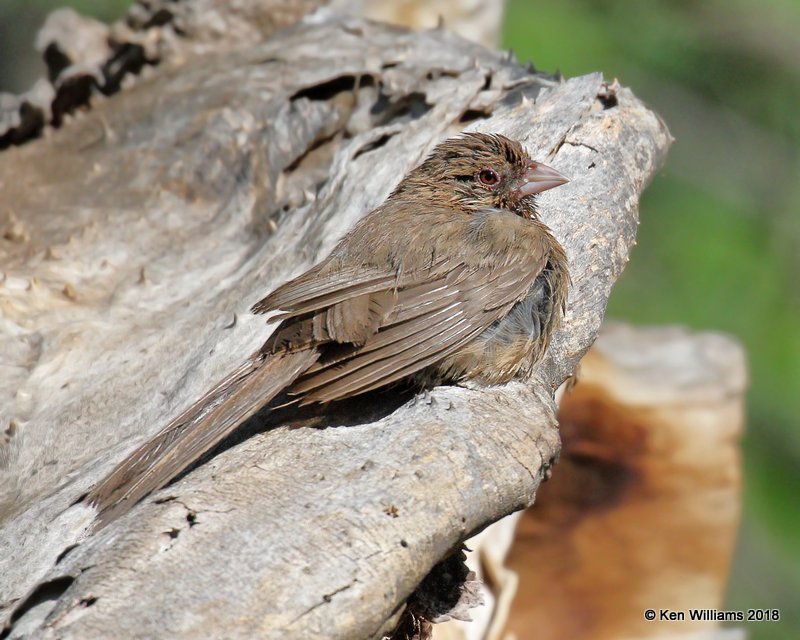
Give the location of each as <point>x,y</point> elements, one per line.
<point>139,234</point>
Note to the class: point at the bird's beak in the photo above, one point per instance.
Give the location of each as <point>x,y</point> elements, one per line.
<point>539,177</point>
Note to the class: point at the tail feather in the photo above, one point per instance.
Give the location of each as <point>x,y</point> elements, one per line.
<point>196,431</point>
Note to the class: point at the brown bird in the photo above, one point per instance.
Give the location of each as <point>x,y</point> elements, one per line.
<point>452,278</point>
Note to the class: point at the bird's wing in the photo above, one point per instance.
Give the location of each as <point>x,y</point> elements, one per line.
<point>339,303</point>
<point>319,288</point>
<point>429,321</point>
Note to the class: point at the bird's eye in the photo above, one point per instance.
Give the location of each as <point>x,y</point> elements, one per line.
<point>488,177</point>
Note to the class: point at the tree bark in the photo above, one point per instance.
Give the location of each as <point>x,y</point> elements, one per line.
<point>143,231</point>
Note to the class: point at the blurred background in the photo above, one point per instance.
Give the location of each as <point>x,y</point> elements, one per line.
<point>719,243</point>
<point>719,247</point>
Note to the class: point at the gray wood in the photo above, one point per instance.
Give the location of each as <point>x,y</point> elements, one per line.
<point>144,230</point>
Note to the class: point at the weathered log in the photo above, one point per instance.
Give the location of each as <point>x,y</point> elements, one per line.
<point>147,226</point>
<point>85,57</point>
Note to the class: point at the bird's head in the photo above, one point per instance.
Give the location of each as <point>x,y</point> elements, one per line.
<point>476,171</point>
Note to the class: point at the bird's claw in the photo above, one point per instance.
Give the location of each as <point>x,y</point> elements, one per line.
<point>427,398</point>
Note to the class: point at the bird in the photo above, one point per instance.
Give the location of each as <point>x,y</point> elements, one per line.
<point>452,278</point>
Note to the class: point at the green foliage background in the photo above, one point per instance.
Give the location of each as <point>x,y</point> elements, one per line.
<point>719,244</point>
<point>719,241</point>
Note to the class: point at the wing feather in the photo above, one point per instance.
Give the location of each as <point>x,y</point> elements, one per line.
<point>317,290</point>
<point>429,322</point>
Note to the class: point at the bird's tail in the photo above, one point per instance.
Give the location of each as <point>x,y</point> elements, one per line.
<point>196,431</point>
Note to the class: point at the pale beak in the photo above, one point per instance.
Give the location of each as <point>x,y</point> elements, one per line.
<point>539,177</point>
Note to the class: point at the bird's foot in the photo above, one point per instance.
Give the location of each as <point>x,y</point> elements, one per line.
<point>426,397</point>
